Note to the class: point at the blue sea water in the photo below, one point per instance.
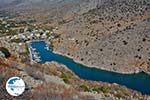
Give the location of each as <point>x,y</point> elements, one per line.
<point>139,82</point>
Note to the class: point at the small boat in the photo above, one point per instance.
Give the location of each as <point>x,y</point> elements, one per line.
<point>35,53</point>
<point>38,60</point>
<point>33,49</point>
<point>47,48</point>
<point>36,56</point>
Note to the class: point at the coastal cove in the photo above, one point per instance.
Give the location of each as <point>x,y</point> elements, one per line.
<point>41,53</point>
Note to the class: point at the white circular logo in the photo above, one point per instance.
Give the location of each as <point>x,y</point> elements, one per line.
<point>15,86</point>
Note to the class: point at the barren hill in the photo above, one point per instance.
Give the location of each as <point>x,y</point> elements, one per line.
<point>114,36</point>
<point>49,10</point>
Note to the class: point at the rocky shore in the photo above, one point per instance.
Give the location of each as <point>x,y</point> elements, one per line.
<point>129,71</point>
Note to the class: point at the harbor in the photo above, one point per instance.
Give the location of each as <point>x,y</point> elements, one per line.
<point>139,82</point>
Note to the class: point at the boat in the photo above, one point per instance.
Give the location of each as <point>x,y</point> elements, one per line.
<point>47,48</point>
<point>32,49</point>
<point>35,53</point>
<point>38,60</point>
<point>36,56</point>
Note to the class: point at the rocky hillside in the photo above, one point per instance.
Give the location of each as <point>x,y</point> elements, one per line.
<point>49,10</point>
<point>53,81</point>
<point>114,36</point>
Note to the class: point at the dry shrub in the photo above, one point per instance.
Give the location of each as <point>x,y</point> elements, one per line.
<point>34,72</point>
<point>52,91</point>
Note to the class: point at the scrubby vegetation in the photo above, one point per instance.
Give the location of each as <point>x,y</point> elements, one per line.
<point>5,51</point>
<point>18,40</point>
<point>85,88</point>
<point>112,36</point>
<point>74,88</point>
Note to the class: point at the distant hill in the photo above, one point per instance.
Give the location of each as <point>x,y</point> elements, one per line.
<point>50,9</point>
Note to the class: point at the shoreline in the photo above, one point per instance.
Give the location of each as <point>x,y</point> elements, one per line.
<point>30,52</point>
<point>97,67</point>
<point>31,58</point>
<point>87,65</point>
<point>102,72</point>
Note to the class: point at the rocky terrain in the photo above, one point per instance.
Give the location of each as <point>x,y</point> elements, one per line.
<point>18,52</point>
<point>108,34</point>
<point>54,81</point>
<point>51,10</point>
<point>114,36</point>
